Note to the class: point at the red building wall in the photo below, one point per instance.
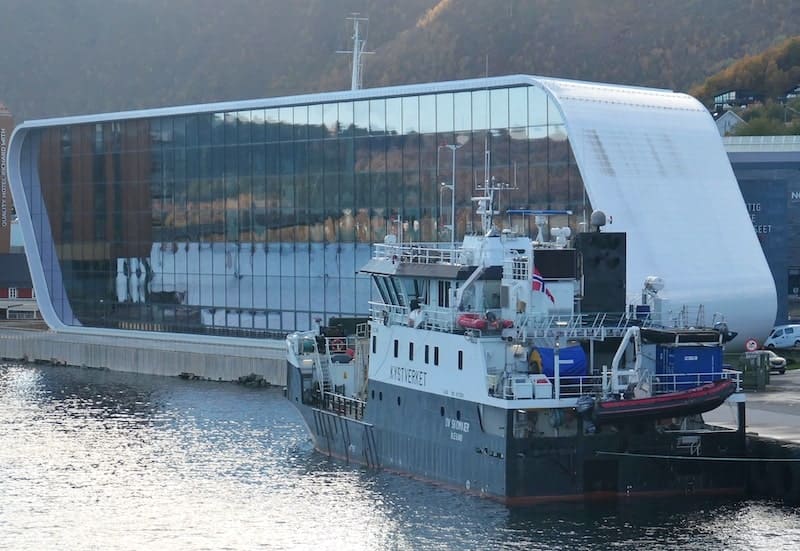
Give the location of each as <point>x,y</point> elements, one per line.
<point>22,293</point>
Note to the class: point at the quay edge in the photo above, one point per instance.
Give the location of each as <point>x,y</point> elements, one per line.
<point>145,354</point>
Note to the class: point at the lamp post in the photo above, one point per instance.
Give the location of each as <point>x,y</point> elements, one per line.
<point>452,187</point>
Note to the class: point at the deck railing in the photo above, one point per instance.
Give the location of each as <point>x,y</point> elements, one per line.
<point>600,385</point>
<point>344,405</point>
<point>417,253</point>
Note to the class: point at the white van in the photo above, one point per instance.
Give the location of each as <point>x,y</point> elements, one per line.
<point>783,336</point>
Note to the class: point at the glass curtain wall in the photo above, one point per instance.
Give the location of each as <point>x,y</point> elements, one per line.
<point>255,222</point>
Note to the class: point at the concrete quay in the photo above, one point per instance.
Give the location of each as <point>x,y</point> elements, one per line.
<point>773,413</point>
<point>31,342</point>
<point>773,437</point>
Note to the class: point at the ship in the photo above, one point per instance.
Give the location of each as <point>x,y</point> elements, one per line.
<point>517,369</point>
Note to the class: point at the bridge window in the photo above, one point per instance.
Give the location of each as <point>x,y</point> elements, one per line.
<point>444,294</point>
<point>380,284</point>
<point>398,291</point>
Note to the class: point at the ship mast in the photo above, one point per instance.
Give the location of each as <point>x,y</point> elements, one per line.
<point>359,44</point>
<point>485,203</point>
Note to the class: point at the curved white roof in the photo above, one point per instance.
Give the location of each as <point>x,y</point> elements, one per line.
<point>655,163</point>
<point>651,159</point>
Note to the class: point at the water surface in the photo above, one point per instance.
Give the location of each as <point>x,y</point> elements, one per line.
<point>103,460</point>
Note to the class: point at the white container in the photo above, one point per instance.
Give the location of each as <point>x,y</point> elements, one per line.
<point>543,388</point>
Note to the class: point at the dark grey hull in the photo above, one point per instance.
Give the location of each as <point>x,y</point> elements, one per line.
<point>449,442</point>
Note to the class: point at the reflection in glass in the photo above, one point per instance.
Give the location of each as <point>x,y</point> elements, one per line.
<point>427,114</point>
<point>444,113</point>
<point>346,117</point>
<point>330,118</point>
<point>377,117</point>
<point>518,107</point>
<point>480,110</point>
<point>499,108</point>
<point>254,222</point>
<point>537,106</point>
<point>361,117</point>
<point>394,116</point>
<point>462,111</point>
<point>411,115</point>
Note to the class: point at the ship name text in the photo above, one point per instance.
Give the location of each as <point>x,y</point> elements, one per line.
<point>409,376</point>
<point>457,428</point>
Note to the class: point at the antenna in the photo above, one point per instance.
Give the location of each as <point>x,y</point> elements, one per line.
<point>485,204</point>
<point>358,50</point>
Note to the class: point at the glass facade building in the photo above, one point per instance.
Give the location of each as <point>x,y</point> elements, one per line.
<point>252,218</point>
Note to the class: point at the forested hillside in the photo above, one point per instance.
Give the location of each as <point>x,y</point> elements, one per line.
<point>82,56</point>
<point>769,74</point>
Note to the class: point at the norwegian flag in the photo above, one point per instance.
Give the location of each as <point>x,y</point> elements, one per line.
<point>538,285</point>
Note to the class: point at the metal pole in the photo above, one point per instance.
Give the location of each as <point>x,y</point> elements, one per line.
<point>453,201</point>
<point>557,369</point>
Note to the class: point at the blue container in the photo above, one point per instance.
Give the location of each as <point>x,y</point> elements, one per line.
<point>687,366</point>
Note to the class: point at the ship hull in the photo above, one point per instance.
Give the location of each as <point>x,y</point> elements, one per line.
<point>464,446</point>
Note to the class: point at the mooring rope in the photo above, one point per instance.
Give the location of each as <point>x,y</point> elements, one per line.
<point>699,458</point>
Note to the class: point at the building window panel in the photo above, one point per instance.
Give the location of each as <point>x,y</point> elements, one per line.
<point>462,112</point>
<point>444,113</point>
<point>410,115</point>
<point>427,114</point>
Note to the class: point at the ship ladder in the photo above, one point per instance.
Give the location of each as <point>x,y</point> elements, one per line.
<point>323,373</point>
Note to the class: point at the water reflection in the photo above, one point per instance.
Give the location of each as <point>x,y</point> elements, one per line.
<point>104,460</point>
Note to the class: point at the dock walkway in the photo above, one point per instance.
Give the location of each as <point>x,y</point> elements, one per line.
<point>773,413</point>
